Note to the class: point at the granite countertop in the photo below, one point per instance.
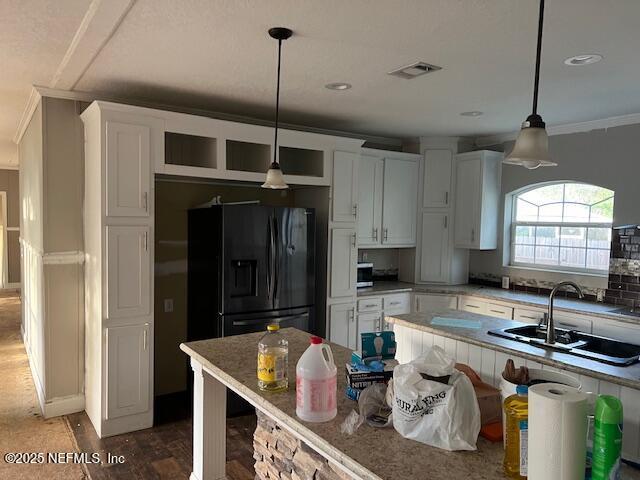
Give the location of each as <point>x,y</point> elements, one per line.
<point>371,453</point>
<point>626,376</point>
<point>603,310</point>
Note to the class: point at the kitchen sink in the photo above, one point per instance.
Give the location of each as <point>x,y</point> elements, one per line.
<point>573,342</point>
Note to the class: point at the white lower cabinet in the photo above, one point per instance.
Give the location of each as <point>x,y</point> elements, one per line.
<point>128,361</point>
<point>499,311</point>
<point>368,322</point>
<point>342,325</point>
<point>427,301</point>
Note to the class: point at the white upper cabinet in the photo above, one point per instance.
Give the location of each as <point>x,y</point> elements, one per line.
<point>128,271</point>
<point>128,363</point>
<point>434,261</point>
<point>128,163</point>
<point>477,200</point>
<point>370,174</point>
<point>399,202</point>
<point>344,205</point>
<point>344,256</point>
<point>437,178</point>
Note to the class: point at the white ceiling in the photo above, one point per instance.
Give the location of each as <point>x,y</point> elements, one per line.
<point>216,55</point>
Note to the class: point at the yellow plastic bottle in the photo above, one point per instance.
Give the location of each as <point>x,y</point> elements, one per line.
<point>516,409</point>
<point>273,361</point>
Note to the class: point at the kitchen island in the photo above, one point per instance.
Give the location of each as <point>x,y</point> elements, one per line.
<point>487,354</point>
<point>321,450</point>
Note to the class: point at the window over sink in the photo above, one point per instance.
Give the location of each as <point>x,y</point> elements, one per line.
<point>562,227</point>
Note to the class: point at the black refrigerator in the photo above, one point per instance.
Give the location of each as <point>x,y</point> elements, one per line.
<point>248,266</point>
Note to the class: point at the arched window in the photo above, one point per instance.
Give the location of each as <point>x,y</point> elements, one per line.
<point>562,226</point>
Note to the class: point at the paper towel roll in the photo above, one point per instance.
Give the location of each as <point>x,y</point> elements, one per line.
<point>557,432</point>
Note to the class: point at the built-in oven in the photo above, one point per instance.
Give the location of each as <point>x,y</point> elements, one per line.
<point>365,275</point>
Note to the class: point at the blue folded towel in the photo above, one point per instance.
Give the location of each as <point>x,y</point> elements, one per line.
<point>456,322</point>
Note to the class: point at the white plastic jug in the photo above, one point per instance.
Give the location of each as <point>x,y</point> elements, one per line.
<point>316,387</point>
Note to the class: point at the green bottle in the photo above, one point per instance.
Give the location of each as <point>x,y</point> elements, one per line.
<point>607,439</point>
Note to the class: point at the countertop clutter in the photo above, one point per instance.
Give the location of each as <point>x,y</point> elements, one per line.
<point>525,299</point>
<point>370,453</point>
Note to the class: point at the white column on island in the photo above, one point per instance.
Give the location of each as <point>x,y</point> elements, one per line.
<point>209,425</point>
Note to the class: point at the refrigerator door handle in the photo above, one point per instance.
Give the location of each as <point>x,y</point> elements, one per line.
<point>241,323</point>
<point>276,256</point>
<point>269,261</point>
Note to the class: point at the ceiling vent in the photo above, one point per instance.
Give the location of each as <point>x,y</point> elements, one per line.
<point>414,70</point>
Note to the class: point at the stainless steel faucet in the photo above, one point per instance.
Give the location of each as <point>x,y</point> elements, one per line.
<point>551,328</point>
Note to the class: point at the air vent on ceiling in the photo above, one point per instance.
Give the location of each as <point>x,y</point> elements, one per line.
<point>414,70</point>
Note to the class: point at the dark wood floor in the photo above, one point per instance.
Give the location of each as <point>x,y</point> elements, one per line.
<point>164,451</point>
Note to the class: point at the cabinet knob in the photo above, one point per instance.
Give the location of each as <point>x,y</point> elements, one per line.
<point>385,234</point>
<point>355,210</point>
<point>446,198</point>
<point>375,235</point>
<point>354,240</point>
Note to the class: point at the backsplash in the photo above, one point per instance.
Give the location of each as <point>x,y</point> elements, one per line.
<point>530,285</point>
<point>624,267</point>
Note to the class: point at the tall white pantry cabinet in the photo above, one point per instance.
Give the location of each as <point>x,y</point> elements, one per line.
<point>120,153</point>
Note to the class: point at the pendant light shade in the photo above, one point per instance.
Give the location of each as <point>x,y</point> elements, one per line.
<point>275,178</point>
<point>531,149</point>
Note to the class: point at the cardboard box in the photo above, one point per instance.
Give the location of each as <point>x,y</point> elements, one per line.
<point>360,380</point>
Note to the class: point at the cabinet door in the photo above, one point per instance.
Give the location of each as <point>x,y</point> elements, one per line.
<point>344,204</point>
<point>427,302</point>
<point>399,202</point>
<point>128,170</point>
<point>128,271</point>
<point>344,256</point>
<point>342,325</point>
<point>434,259</point>
<point>370,172</point>
<point>128,361</point>
<point>467,200</point>
<point>367,323</point>
<point>437,178</point>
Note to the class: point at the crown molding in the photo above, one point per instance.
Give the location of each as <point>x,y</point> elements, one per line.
<point>568,128</point>
<point>27,113</point>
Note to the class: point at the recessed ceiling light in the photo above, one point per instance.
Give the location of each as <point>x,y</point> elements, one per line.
<point>586,59</point>
<point>338,86</point>
<point>473,113</point>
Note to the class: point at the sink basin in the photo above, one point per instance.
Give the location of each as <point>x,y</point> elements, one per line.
<point>594,347</point>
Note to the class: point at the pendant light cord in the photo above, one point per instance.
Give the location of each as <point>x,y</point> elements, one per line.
<point>536,81</point>
<point>275,140</point>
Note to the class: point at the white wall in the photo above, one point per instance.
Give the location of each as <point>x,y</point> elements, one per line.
<point>608,158</point>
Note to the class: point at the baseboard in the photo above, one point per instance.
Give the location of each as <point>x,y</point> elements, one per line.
<point>64,406</point>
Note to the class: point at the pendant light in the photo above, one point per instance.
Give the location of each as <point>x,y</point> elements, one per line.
<point>275,179</point>
<point>531,149</point>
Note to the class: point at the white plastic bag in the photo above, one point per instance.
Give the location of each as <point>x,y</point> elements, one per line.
<point>444,415</point>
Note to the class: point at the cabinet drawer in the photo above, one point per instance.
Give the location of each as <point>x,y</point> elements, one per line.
<point>396,304</point>
<point>426,302</point>
<point>468,304</point>
<point>527,316</point>
<point>370,304</point>
<point>626,332</point>
<point>500,311</point>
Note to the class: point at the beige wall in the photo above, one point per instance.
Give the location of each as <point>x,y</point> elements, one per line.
<point>51,196</point>
<point>173,200</point>
<point>9,183</point>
